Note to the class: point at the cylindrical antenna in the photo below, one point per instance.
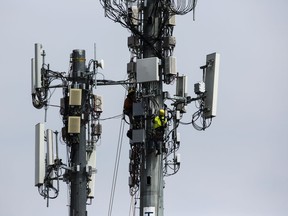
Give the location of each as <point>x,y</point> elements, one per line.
<point>56,138</point>
<point>95,51</point>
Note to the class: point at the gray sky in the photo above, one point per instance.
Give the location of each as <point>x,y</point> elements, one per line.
<point>237,167</point>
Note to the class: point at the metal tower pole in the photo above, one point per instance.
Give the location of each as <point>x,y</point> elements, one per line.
<point>78,149</point>
<point>151,171</point>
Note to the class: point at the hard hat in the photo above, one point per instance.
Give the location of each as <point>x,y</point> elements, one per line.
<point>161,112</point>
<point>131,91</point>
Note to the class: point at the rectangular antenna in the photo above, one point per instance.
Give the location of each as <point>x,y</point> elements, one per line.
<point>39,154</point>
<point>50,148</point>
<point>211,84</point>
<point>38,65</point>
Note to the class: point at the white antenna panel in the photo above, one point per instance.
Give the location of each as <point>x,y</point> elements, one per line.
<point>92,163</point>
<point>50,151</point>
<point>211,84</point>
<point>181,86</point>
<point>39,154</point>
<point>38,65</point>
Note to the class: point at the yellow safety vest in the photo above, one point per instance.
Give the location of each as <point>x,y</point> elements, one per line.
<point>159,121</point>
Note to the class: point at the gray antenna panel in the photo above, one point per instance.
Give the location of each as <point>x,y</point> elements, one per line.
<point>211,84</point>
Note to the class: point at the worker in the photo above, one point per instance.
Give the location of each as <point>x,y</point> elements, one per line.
<point>128,104</point>
<point>160,123</point>
<point>128,109</point>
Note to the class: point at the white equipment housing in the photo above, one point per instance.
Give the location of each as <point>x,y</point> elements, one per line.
<point>38,65</point>
<point>211,84</point>
<point>39,154</point>
<point>199,88</point>
<point>147,69</point>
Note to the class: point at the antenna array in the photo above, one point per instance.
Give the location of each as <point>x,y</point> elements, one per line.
<point>80,109</point>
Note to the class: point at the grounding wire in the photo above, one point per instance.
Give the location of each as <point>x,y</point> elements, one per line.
<point>116,167</point>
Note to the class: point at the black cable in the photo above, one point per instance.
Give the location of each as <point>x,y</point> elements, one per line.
<point>113,117</point>
<point>167,136</point>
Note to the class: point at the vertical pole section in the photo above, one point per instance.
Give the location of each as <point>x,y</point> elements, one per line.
<point>78,149</point>
<point>151,173</point>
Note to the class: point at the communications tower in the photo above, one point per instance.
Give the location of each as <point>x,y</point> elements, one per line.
<point>154,115</point>
<point>154,143</point>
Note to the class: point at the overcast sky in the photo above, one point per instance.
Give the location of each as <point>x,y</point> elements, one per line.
<point>237,167</point>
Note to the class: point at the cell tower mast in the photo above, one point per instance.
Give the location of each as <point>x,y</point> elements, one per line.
<point>151,168</point>
<point>78,149</point>
<point>80,110</point>
<point>152,140</point>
